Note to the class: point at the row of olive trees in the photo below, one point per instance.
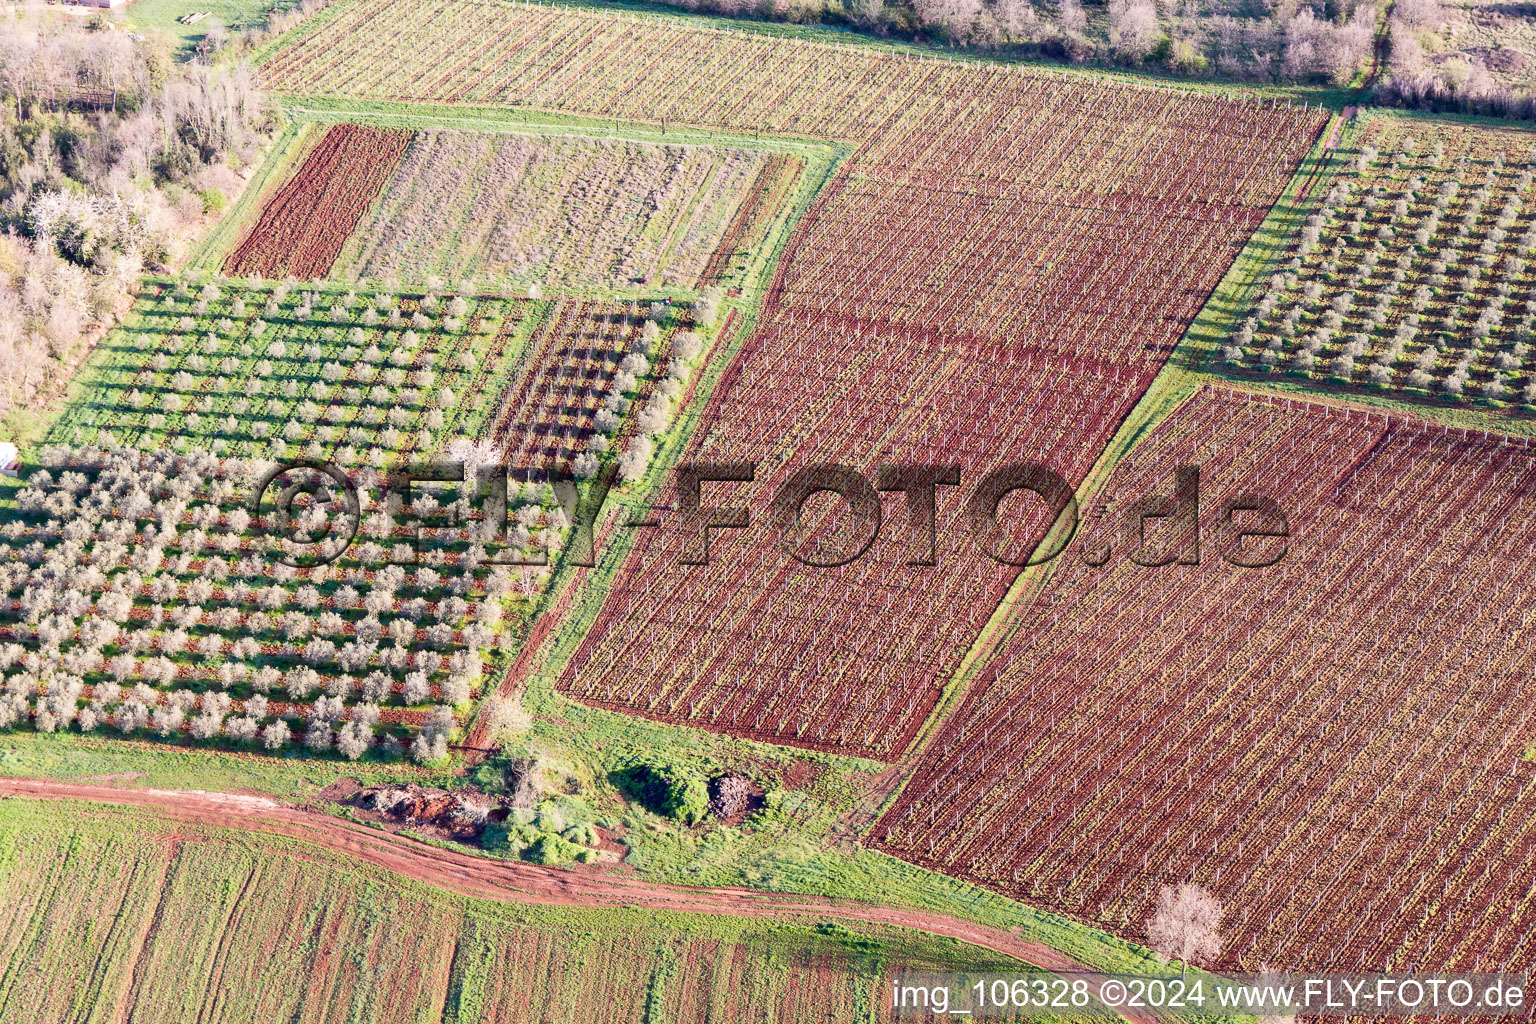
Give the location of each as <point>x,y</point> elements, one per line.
<point>114,498</point>
<point>209,717</point>
<point>658,412</point>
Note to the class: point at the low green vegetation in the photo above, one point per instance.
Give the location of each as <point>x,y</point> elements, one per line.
<point>559,830</point>
<point>296,775</point>
<point>206,26</point>
<point>676,791</point>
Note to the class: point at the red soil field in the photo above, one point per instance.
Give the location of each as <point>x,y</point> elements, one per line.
<point>852,658</point>
<point>303,227</point>
<point>923,316</point>
<point>1104,237</point>
<point>1333,744</point>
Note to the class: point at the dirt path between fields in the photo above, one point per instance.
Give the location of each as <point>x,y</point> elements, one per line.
<point>1331,143</point>
<point>518,882</point>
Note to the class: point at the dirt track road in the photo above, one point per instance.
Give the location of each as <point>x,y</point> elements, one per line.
<point>515,881</point>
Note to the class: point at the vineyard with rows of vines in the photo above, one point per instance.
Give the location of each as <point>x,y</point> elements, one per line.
<point>936,254</point>
<point>851,658</point>
<point>1332,744</point>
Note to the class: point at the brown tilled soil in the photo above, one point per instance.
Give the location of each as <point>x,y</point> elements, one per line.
<point>458,815</point>
<point>340,791</point>
<point>305,224</point>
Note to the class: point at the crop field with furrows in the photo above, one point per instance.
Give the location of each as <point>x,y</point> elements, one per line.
<point>305,224</point>
<point>619,978</point>
<point>150,924</point>
<point>1409,275</point>
<point>559,211</point>
<point>1332,744</point>
<point>104,916</point>
<point>849,659</point>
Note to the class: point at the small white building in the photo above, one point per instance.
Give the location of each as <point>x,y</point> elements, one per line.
<point>10,459</point>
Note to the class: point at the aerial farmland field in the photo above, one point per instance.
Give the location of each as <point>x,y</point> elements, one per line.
<point>1408,273</point>
<point>1289,749</point>
<point>201,930</point>
<point>584,212</point>
<point>518,512</point>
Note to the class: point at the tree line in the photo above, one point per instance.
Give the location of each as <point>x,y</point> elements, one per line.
<point>113,157</point>
<point>1250,40</point>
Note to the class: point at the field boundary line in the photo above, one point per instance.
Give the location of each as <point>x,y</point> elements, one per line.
<point>528,119</point>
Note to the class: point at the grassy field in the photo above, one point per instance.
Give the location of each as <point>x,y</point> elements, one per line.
<point>295,776</point>
<point>110,914</point>
<point>558,212</point>
<point>162,16</point>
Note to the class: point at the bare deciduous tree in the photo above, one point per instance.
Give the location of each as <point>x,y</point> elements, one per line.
<point>1184,925</point>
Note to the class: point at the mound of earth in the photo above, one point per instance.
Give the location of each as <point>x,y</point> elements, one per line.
<point>459,814</point>
<point>1507,61</point>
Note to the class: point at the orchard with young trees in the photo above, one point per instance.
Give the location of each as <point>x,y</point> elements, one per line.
<point>277,370</point>
<point>139,600</point>
<point>1411,274</point>
<point>282,371</point>
<point>186,623</point>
